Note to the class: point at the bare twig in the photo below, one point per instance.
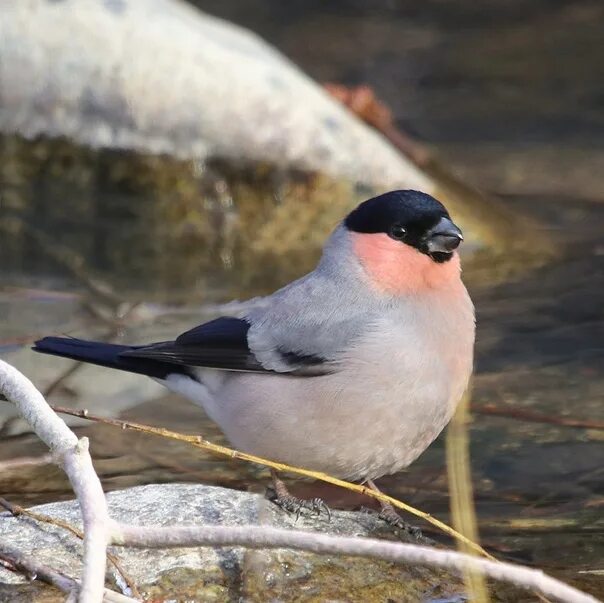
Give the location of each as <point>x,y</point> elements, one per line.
<point>72,454</point>
<point>17,510</point>
<point>266,537</point>
<point>201,443</point>
<point>100,531</point>
<point>35,570</point>
<point>519,414</point>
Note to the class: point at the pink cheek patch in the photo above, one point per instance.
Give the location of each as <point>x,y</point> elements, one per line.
<point>396,268</point>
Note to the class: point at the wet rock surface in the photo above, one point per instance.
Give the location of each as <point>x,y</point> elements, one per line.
<point>229,573</point>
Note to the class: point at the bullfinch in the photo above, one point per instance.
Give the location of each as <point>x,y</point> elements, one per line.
<point>353,369</point>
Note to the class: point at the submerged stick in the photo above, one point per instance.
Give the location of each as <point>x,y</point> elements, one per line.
<point>520,414</point>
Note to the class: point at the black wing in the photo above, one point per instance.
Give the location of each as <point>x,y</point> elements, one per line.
<point>222,344</point>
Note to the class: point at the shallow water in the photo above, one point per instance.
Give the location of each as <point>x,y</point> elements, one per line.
<point>510,95</point>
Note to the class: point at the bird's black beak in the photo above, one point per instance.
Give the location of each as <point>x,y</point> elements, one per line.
<point>445,237</point>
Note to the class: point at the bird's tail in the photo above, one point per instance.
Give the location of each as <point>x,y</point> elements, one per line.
<point>105,354</point>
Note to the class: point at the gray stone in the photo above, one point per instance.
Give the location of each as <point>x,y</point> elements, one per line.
<point>223,574</point>
<point>194,99</point>
<point>159,76</point>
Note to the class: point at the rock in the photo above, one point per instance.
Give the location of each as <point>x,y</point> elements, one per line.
<point>159,76</point>
<point>225,574</point>
<point>149,125</point>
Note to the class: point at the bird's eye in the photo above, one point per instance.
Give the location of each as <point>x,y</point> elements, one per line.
<point>397,232</point>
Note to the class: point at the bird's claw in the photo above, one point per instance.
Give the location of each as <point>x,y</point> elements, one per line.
<point>319,506</point>
<point>392,518</point>
<point>295,505</point>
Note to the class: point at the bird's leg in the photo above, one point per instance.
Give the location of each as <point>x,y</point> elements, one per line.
<point>293,504</point>
<point>390,516</point>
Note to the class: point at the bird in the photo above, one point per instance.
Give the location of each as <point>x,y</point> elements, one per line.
<point>352,370</point>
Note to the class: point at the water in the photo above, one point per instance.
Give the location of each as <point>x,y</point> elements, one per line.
<point>510,96</point>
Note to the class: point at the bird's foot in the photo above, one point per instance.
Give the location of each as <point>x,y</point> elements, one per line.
<point>295,505</point>
<point>292,504</point>
<point>392,518</point>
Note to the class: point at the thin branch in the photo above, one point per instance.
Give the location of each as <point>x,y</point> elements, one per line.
<point>17,511</point>
<point>520,414</point>
<point>35,570</point>
<point>201,443</point>
<point>258,537</point>
<point>100,530</point>
<point>93,507</point>
<point>72,454</point>
<point>32,569</point>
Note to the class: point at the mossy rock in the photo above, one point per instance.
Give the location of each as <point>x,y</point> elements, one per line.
<point>228,573</point>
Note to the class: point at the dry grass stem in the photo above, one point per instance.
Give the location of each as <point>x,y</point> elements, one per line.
<point>200,442</point>
<point>461,494</point>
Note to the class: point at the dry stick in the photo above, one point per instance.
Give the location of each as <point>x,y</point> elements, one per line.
<point>17,510</point>
<point>72,454</point>
<point>32,569</point>
<point>100,530</point>
<point>268,537</point>
<point>520,414</point>
<point>199,442</point>
<point>36,570</point>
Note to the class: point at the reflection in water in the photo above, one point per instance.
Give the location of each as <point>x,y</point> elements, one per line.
<point>538,487</point>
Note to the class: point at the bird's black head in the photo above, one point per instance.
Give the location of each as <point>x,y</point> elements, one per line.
<point>411,217</point>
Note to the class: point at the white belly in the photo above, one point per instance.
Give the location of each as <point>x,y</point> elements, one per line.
<point>395,393</point>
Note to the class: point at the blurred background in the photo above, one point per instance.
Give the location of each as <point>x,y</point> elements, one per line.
<point>156,162</point>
